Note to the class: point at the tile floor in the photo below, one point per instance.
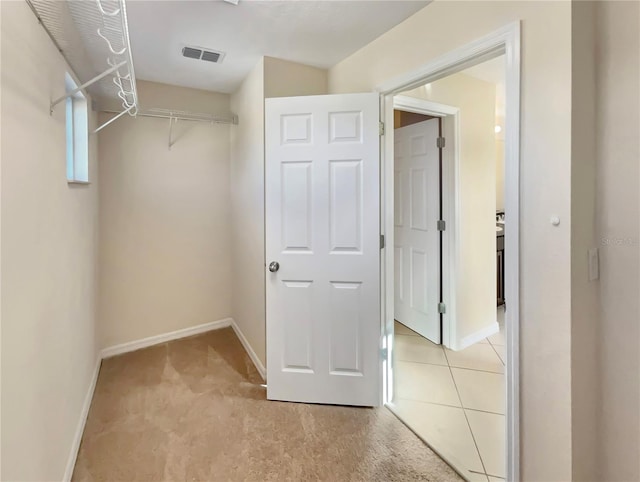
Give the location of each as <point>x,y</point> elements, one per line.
<point>455,400</point>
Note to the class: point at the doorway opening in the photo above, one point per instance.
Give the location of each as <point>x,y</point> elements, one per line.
<point>450,189</point>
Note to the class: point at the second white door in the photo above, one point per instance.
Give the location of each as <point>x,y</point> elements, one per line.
<point>417,239</point>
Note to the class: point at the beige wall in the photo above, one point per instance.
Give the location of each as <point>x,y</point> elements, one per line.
<point>270,78</point>
<point>247,210</point>
<point>476,282</point>
<point>49,241</point>
<point>164,219</point>
<point>545,264</point>
<point>0,249</point>
<point>287,79</point>
<point>500,175</point>
<point>584,293</point>
<point>618,149</point>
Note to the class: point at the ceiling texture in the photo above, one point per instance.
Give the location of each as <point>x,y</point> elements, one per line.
<point>317,33</point>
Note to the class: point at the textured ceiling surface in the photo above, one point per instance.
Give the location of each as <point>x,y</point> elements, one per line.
<point>317,33</point>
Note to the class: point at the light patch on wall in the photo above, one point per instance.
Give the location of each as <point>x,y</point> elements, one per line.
<point>77,133</point>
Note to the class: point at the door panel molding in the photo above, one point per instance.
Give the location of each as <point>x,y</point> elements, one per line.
<point>322,227</point>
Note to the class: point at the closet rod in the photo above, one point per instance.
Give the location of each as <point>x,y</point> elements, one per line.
<point>183,116</point>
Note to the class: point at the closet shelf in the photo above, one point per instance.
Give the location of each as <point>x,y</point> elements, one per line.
<point>93,37</point>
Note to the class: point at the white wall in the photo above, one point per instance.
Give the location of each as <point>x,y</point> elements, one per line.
<point>545,315</point>
<point>247,210</point>
<point>269,78</point>
<point>476,282</point>
<point>584,294</point>
<point>618,150</point>
<point>164,218</point>
<point>49,242</point>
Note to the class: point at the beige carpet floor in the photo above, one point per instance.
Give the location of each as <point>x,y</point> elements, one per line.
<point>194,410</point>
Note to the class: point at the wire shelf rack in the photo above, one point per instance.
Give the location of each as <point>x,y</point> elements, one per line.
<point>93,36</point>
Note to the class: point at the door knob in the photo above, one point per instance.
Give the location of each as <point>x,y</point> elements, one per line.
<point>274,266</point>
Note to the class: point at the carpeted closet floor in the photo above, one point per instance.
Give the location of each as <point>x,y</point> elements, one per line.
<point>194,410</point>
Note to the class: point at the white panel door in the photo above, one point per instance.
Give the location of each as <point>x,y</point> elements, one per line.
<point>322,228</point>
<point>416,237</point>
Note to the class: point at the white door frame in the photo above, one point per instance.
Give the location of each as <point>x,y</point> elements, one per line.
<point>450,203</point>
<point>503,41</point>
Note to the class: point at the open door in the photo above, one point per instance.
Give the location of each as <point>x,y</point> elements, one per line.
<point>323,249</point>
<point>416,235</point>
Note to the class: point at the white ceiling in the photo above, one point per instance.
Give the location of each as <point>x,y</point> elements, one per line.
<point>318,33</point>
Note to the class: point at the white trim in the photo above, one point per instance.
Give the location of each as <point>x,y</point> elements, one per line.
<point>512,245</point>
<point>387,268</point>
<point>506,41</point>
<point>479,335</point>
<point>452,215</point>
<point>423,106</point>
<point>194,330</point>
<point>474,53</point>
<point>77,438</point>
<point>249,349</point>
<point>164,337</point>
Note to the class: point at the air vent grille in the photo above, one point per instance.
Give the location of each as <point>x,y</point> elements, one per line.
<point>210,56</point>
<point>192,53</point>
<point>202,54</point>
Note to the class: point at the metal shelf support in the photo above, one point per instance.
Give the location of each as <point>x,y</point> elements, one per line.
<point>171,122</point>
<point>86,84</point>
<point>113,119</point>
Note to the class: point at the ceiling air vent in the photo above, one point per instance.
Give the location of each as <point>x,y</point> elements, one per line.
<point>192,53</point>
<point>202,54</point>
<point>210,56</point>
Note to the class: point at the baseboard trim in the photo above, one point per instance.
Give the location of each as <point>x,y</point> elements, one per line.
<point>164,337</point>
<point>249,349</point>
<point>479,335</point>
<point>77,438</point>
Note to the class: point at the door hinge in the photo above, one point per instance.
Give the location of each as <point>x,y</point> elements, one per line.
<point>440,142</point>
<point>442,225</point>
<point>381,128</point>
<point>381,241</point>
<point>442,308</point>
<point>384,353</point>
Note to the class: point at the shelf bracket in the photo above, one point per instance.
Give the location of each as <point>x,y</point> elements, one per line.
<point>114,52</point>
<point>86,84</point>
<point>113,119</point>
<point>171,122</point>
<point>104,12</point>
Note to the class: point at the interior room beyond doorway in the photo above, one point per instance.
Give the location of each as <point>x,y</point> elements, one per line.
<point>451,390</point>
